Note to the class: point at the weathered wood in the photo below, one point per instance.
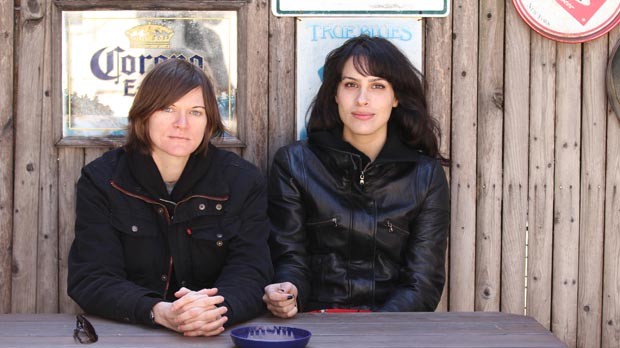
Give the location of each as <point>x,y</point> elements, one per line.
<point>6,152</point>
<point>150,4</point>
<point>328,330</point>
<point>32,64</point>
<point>566,193</point>
<point>611,278</point>
<point>281,83</point>
<point>515,183</point>
<point>463,170</point>
<point>253,70</point>
<point>592,208</point>
<point>71,161</point>
<point>540,212</point>
<point>438,88</point>
<point>489,161</point>
<point>47,233</point>
<point>91,154</point>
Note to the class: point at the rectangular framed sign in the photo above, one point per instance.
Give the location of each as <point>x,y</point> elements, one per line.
<point>340,8</point>
<point>105,54</point>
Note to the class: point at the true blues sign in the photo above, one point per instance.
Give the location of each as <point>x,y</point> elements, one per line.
<point>316,37</point>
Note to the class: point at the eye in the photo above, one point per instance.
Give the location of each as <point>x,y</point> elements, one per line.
<point>378,86</point>
<point>168,109</point>
<point>350,84</point>
<point>197,112</point>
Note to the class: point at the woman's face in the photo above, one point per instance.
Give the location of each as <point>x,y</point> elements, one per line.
<point>364,104</point>
<point>178,130</point>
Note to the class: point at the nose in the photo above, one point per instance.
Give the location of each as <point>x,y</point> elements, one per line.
<point>181,121</point>
<point>362,98</point>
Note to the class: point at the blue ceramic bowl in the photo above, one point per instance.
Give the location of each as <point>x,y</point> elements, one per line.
<point>267,336</point>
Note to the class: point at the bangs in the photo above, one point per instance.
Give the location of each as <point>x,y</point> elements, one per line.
<point>370,63</point>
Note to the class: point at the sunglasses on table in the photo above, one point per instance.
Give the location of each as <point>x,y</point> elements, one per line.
<point>84,331</point>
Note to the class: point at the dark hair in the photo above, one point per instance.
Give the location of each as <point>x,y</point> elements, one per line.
<point>163,85</point>
<point>379,57</point>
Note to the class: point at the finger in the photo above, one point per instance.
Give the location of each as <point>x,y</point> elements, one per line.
<point>208,323</point>
<point>196,300</point>
<point>283,311</point>
<point>208,292</point>
<point>182,292</point>
<point>197,315</point>
<point>214,332</point>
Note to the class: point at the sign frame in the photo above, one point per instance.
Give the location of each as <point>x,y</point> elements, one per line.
<point>570,21</point>
<point>366,8</point>
<point>242,101</point>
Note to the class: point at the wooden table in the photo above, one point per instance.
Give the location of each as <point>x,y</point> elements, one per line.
<point>479,329</point>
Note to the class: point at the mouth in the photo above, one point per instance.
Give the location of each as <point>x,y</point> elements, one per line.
<point>362,115</point>
<point>178,138</point>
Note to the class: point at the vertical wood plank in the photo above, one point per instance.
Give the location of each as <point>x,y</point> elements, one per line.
<point>256,17</point>
<point>516,129</point>
<point>29,113</point>
<point>489,161</point>
<point>611,277</point>
<point>71,162</point>
<point>463,171</point>
<point>438,88</point>
<point>47,238</point>
<point>540,221</point>
<point>92,153</point>
<point>592,209</point>
<point>566,193</point>
<point>281,83</point>
<point>6,152</point>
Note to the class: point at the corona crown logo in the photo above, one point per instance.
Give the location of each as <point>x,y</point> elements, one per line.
<point>149,36</point>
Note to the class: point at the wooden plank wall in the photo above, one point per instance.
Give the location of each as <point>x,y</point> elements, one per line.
<point>6,152</point>
<point>534,146</point>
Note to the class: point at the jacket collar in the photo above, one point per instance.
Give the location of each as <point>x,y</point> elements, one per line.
<point>138,173</point>
<point>394,149</point>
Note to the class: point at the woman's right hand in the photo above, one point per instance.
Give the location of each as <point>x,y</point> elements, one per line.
<point>281,299</point>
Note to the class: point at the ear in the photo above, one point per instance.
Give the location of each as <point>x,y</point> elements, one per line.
<point>395,103</point>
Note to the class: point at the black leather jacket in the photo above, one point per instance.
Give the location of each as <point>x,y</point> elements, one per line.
<point>135,244</point>
<point>350,234</point>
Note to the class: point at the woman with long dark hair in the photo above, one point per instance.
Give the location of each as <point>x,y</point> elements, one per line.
<point>360,211</point>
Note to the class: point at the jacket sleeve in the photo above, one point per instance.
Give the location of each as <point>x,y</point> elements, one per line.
<point>96,274</point>
<point>288,236</point>
<point>423,274</point>
<point>248,266</point>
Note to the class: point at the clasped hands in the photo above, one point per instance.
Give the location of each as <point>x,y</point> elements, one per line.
<point>194,313</point>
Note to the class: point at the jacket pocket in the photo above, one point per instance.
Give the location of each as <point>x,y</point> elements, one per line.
<point>322,235</point>
<point>217,231</point>
<point>135,226</point>
<point>392,238</point>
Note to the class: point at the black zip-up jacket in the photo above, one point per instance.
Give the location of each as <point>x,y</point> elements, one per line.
<point>350,233</point>
<point>136,245</point>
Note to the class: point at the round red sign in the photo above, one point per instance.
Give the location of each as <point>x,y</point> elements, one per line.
<point>570,20</point>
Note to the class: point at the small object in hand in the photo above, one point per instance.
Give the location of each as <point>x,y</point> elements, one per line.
<point>84,331</point>
<point>270,337</point>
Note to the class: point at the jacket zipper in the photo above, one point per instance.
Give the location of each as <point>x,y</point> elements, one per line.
<point>390,226</point>
<point>362,174</point>
<point>332,220</point>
